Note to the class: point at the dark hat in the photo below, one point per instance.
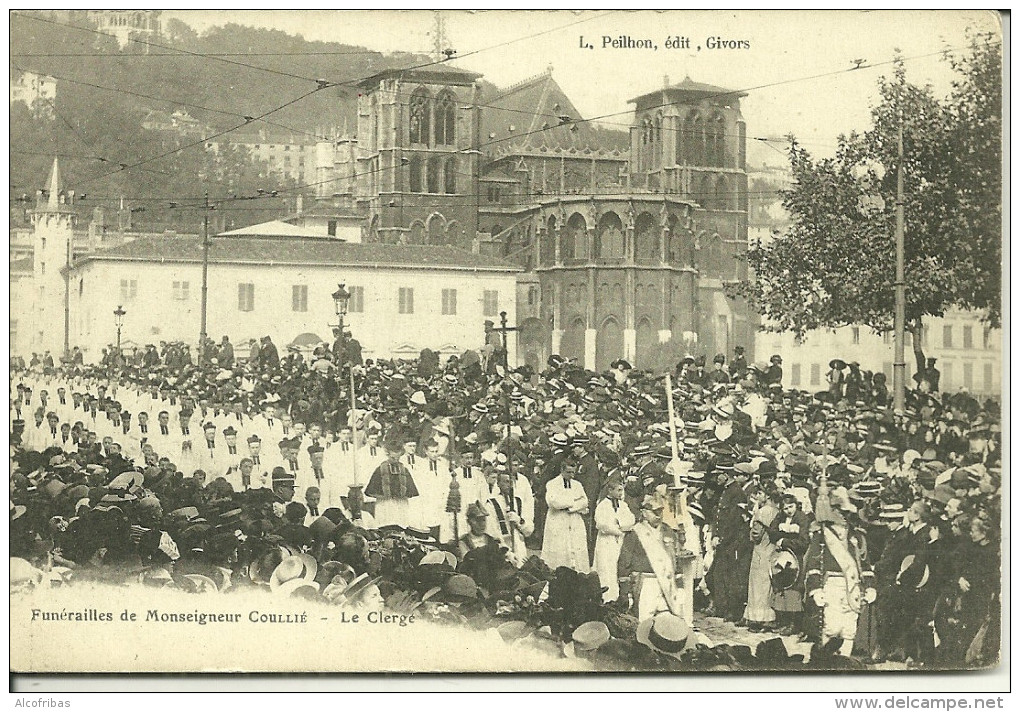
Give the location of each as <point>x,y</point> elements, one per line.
<point>229,430</point>
<point>776,358</point>
<point>281,476</point>
<point>475,509</point>
<point>913,573</point>
<point>785,570</point>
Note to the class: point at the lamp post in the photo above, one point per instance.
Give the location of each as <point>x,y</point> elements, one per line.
<point>118,318</point>
<point>341,302</point>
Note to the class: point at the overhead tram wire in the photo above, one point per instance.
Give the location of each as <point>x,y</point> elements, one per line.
<point>167,47</point>
<point>725,93</point>
<point>599,119</point>
<point>174,102</point>
<point>213,54</point>
<point>89,145</point>
<point>731,92</point>
<point>202,140</point>
<point>321,84</point>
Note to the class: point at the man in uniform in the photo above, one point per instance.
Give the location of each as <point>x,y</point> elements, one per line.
<point>837,578</point>
<point>646,567</point>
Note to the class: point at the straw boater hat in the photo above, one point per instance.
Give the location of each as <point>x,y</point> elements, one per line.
<point>298,566</point>
<point>667,634</point>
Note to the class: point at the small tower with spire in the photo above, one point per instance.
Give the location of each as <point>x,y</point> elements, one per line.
<point>52,239</point>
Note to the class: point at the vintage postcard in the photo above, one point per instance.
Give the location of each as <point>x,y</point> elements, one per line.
<point>506,341</point>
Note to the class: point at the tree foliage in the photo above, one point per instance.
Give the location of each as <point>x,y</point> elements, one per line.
<point>90,124</point>
<point>836,264</point>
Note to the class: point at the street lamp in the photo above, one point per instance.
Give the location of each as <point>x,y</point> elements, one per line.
<point>355,496</point>
<point>118,317</point>
<point>341,300</point>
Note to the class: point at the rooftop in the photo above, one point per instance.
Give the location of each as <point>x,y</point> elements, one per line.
<point>25,264</point>
<point>535,113</point>
<point>689,86</point>
<point>275,250</point>
<point>441,72</point>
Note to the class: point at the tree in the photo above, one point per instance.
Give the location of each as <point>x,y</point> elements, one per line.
<point>835,265</point>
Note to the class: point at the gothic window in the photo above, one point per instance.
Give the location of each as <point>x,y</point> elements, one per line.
<point>694,141</point>
<point>416,168</point>
<point>446,120</point>
<point>610,237</point>
<point>714,141</point>
<point>646,239</point>
<point>549,242</point>
<point>450,176</point>
<point>434,174</point>
<point>572,238</point>
<point>723,199</point>
<point>421,111</point>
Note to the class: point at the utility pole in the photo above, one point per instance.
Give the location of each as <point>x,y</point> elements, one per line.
<point>205,279</point>
<point>900,317</point>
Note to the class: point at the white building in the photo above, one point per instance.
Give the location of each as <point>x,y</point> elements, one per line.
<point>36,91</point>
<point>969,354</point>
<point>290,156</point>
<point>126,25</point>
<point>404,297</point>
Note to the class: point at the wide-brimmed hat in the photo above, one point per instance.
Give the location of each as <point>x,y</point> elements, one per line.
<point>666,633</point>
<point>893,511</point>
<point>297,587</point>
<point>785,570</point>
<point>358,586</point>
<point>913,573</point>
<point>197,583</point>
<point>127,481</point>
<point>440,558</point>
<point>297,566</point>
<point>837,363</point>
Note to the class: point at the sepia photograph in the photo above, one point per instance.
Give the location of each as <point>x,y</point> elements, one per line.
<point>506,341</point>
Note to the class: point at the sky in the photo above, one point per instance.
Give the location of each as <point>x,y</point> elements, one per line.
<point>779,54</point>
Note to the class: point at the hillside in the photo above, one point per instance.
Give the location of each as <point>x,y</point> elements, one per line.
<point>95,130</point>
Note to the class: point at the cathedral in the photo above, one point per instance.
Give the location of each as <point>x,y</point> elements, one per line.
<point>625,242</point>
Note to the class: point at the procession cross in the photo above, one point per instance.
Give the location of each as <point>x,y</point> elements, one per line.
<point>503,330</point>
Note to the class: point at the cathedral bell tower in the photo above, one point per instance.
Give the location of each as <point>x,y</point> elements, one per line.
<point>418,157</point>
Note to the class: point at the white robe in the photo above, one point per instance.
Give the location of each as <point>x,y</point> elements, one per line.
<point>433,486</point>
<point>565,541</point>
<point>611,525</point>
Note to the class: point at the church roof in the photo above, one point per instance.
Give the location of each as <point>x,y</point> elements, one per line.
<point>535,114</point>
<point>689,86</point>
<point>442,73</point>
<point>277,251</point>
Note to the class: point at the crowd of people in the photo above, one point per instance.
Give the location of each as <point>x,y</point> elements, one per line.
<point>602,509</point>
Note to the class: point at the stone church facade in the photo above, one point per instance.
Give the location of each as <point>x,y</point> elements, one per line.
<point>626,240</point>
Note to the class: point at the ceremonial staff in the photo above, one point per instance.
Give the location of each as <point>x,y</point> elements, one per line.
<point>679,517</point>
